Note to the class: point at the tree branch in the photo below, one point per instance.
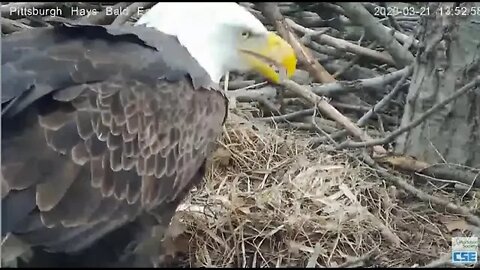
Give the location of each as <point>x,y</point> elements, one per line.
<point>383,102</point>
<point>358,14</point>
<point>475,220</point>
<point>330,111</point>
<point>363,120</point>
<point>471,85</point>
<point>341,87</point>
<point>343,44</point>
<point>272,13</point>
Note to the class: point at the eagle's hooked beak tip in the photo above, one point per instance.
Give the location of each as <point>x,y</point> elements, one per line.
<point>274,59</point>
<point>283,53</point>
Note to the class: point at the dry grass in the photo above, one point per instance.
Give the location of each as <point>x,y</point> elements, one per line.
<point>269,201</point>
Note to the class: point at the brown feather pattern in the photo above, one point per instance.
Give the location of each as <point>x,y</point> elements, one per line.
<point>109,146</point>
<point>161,157</point>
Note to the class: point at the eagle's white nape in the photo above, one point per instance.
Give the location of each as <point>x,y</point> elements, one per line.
<point>205,29</point>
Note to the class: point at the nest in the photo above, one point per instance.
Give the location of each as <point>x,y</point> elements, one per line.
<point>269,200</point>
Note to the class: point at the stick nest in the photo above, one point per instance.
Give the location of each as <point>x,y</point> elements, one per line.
<point>270,201</point>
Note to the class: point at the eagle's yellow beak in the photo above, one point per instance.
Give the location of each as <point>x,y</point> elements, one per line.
<point>269,56</point>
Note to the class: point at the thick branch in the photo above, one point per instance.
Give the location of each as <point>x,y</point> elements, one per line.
<point>382,103</point>
<point>468,87</point>
<point>330,111</point>
<point>475,220</point>
<point>288,116</point>
<point>272,12</point>
<point>358,14</point>
<point>340,87</point>
<point>343,44</point>
<point>254,94</point>
<point>378,107</point>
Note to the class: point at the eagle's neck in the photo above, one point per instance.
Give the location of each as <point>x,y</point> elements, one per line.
<point>201,38</point>
<point>208,55</point>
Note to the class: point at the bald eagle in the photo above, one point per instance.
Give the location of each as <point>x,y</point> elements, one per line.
<point>103,126</point>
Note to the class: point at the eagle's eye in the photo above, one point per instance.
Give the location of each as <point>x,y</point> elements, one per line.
<point>246,34</point>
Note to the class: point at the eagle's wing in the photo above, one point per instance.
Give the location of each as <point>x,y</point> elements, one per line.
<point>96,128</point>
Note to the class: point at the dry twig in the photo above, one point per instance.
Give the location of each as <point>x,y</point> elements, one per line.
<point>288,116</point>
<point>382,103</point>
<point>343,44</point>
<point>352,62</point>
<point>472,218</point>
<point>370,112</point>
<point>341,87</point>
<point>270,200</point>
<point>328,89</point>
<point>398,35</point>
<point>391,19</point>
<point>469,86</point>
<point>330,111</point>
<point>272,12</point>
<point>360,15</point>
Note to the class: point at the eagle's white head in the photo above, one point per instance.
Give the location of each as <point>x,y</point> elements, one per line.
<point>223,37</point>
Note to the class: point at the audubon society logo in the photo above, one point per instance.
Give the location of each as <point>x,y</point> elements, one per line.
<point>465,250</point>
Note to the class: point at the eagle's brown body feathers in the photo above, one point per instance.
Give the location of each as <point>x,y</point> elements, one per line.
<point>98,128</point>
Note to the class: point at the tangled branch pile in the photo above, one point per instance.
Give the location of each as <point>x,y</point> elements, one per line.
<point>280,190</point>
